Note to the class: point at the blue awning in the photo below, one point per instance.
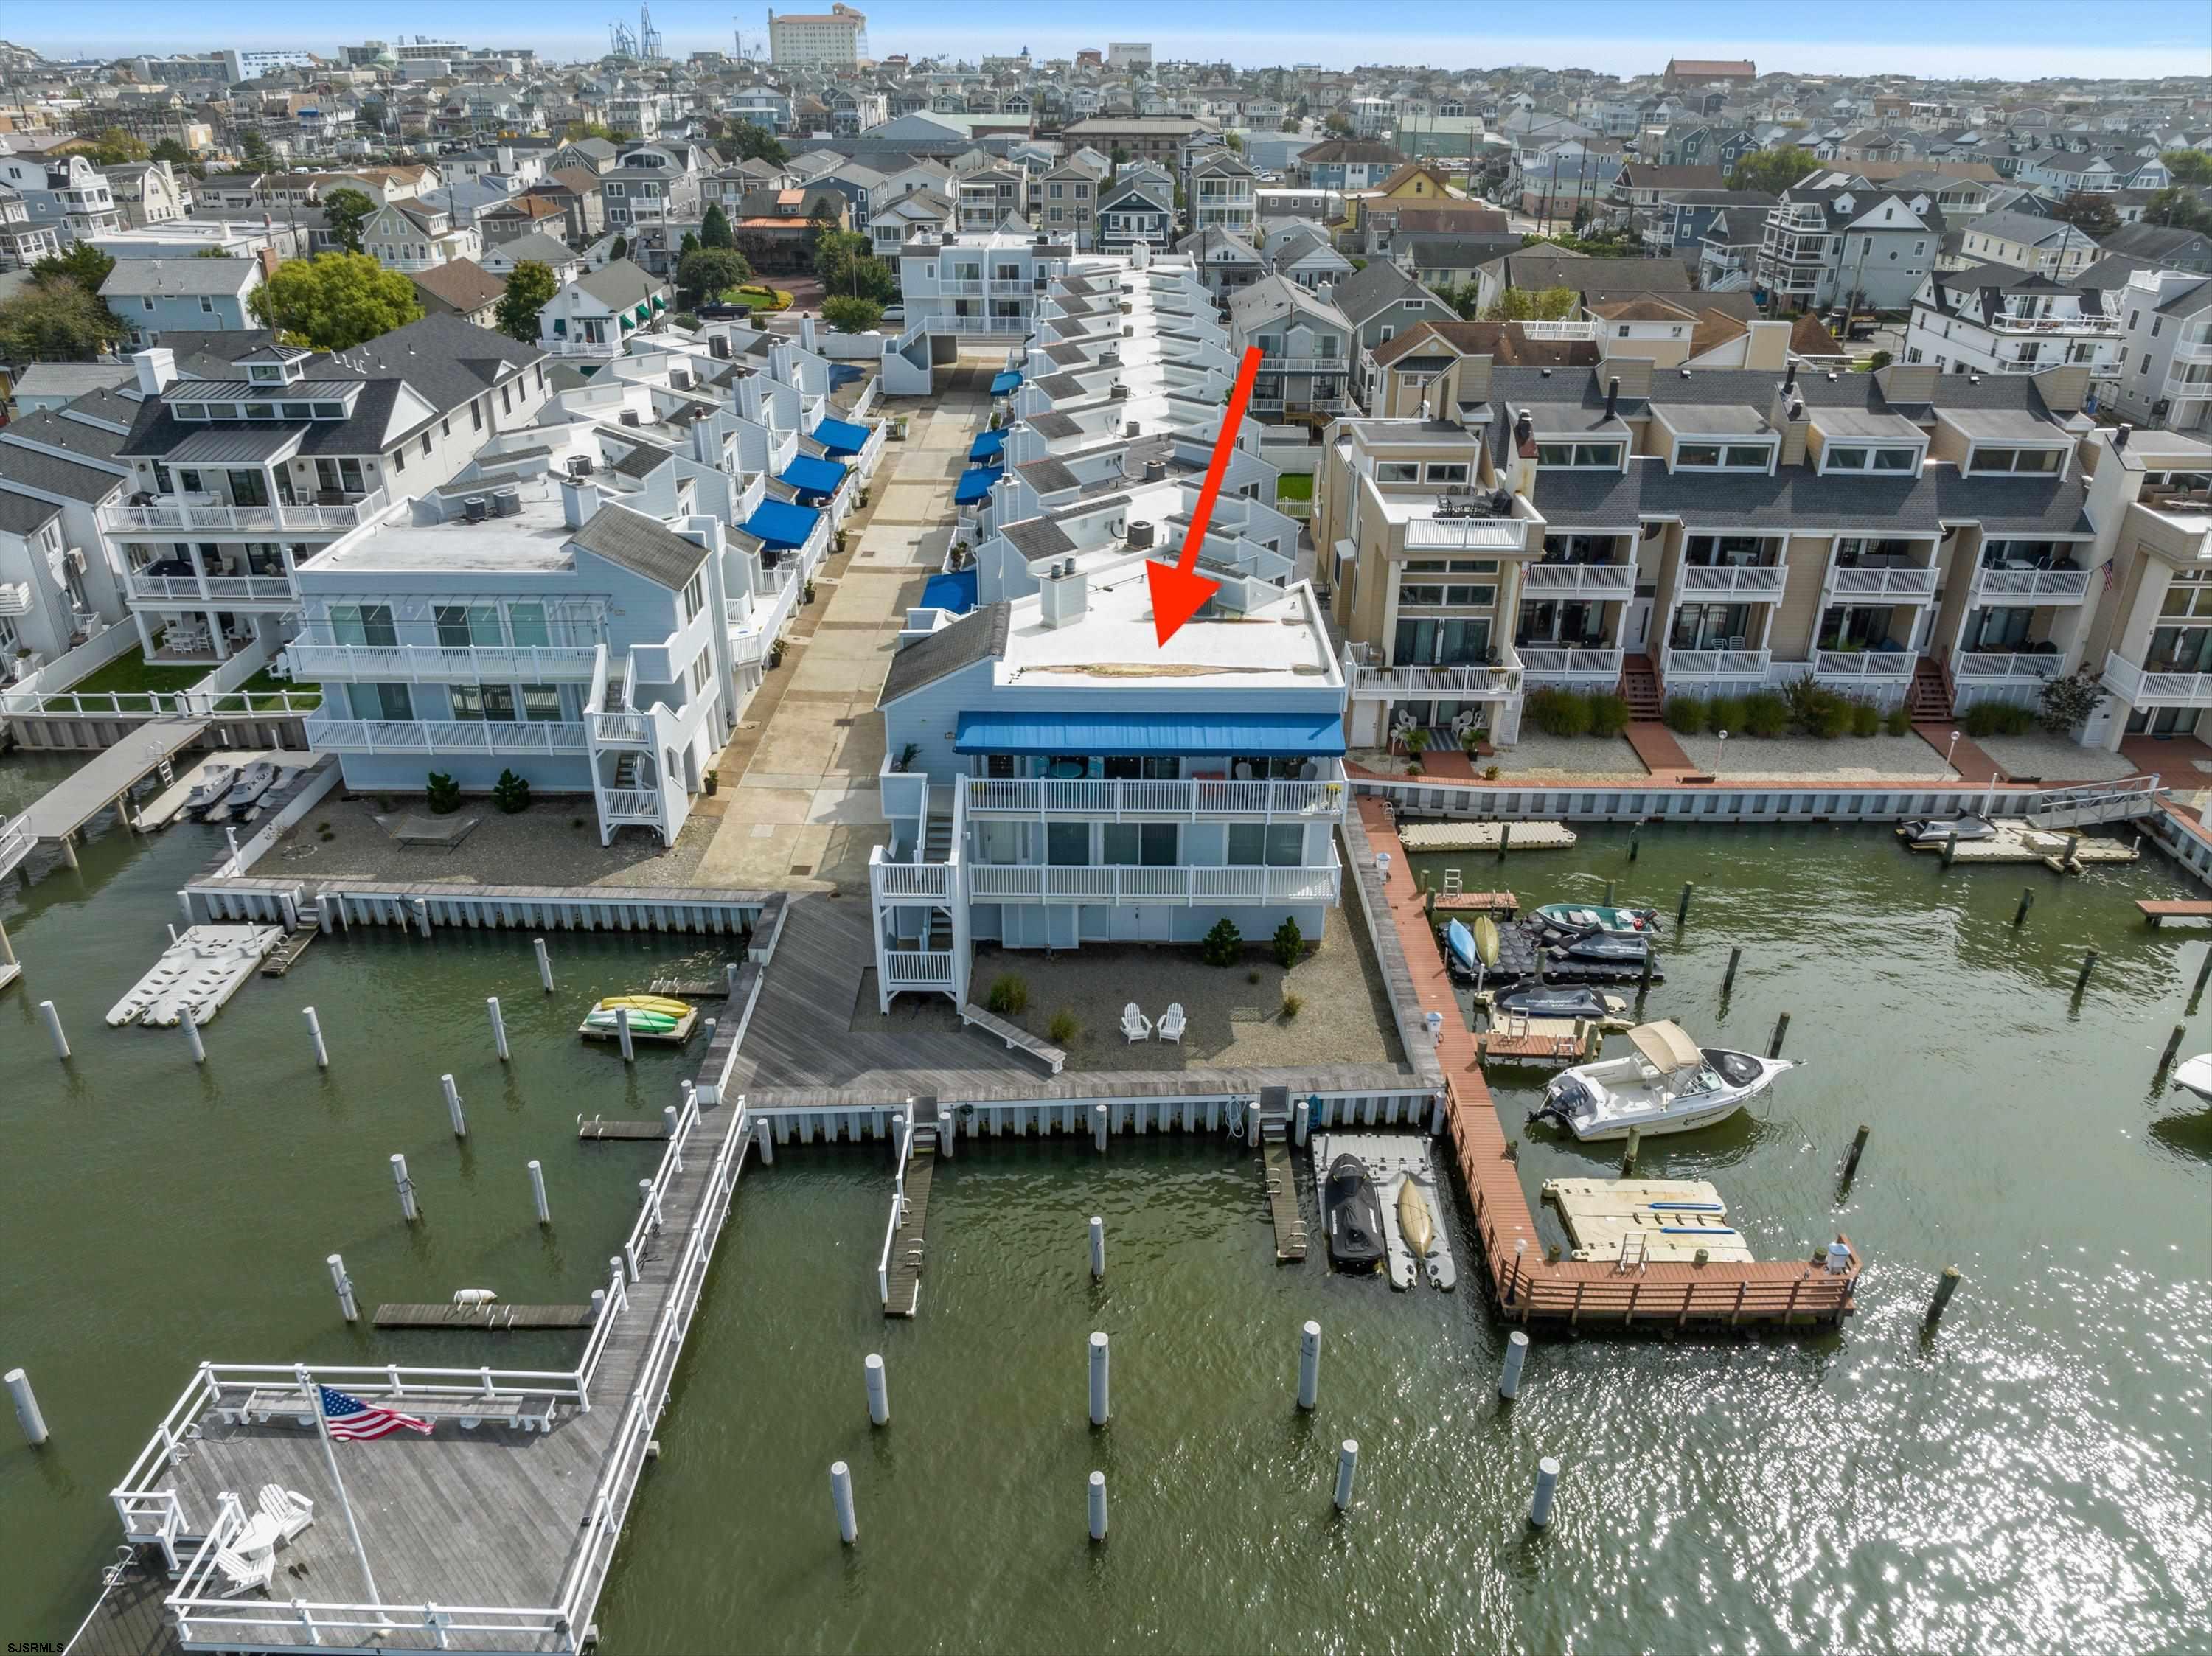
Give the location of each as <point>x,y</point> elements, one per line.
<point>840,436</point>
<point>1005,381</point>
<point>780,524</point>
<point>956,592</point>
<point>811,475</point>
<point>975,484</point>
<point>986,446</point>
<point>1314,735</point>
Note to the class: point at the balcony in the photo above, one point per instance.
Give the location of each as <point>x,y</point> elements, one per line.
<point>2188,384</point>
<point>195,591</point>
<point>417,663</point>
<point>2198,350</point>
<point>1864,666</point>
<point>1030,883</point>
<point>161,522</point>
<point>2001,667</point>
<point>2144,689</point>
<point>1763,583</point>
<point>1467,684</point>
<point>1473,535</point>
<point>1544,664</point>
<point>2017,587</point>
<point>1689,667</point>
<point>1113,800</point>
<point>1902,584</point>
<point>608,347</point>
<point>1582,580</point>
<point>2055,324</point>
<point>462,735</point>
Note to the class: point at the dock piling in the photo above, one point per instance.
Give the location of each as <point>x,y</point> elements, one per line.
<point>1547,1483</point>
<point>26,1408</point>
<point>764,1141</point>
<point>1946,1286</point>
<point>1097,1506</point>
<point>453,1106</point>
<point>1609,893</point>
<point>348,1306</point>
<point>190,1025</point>
<point>730,981</point>
<point>1301,1119</point>
<point>2203,974</point>
<point>1097,1248</point>
<point>841,1497</point>
<point>879,1392</point>
<point>407,1210</point>
<point>1781,1028</point>
<point>1628,1155</point>
<point>53,1022</point>
<point>622,1033</point>
<point>8,950</point>
<point>1727,978</point>
<point>2088,965</point>
<point>2027,903</point>
<point>1517,1356</point>
<point>544,963</point>
<point>498,1026</point>
<point>1950,847</point>
<point>1310,1365</point>
<point>2172,1046</point>
<point>1643,976</point>
<point>315,1035</point>
<point>1683,908</point>
<point>1098,1390</point>
<point>538,1194</point>
<point>1858,1148</point>
<point>1504,839</point>
<point>669,1119</point>
<point>1635,834</point>
<point>1347,1472</point>
<point>2073,847</point>
<point>1098,1127</point>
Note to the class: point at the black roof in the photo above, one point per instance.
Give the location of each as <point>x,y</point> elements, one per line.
<point>979,635</point>
<point>642,545</point>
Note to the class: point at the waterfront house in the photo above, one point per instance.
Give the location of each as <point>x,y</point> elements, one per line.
<point>199,295</point>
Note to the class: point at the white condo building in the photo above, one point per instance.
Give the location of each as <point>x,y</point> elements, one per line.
<point>836,38</point>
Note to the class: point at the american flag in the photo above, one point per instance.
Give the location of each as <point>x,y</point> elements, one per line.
<point>354,1422</point>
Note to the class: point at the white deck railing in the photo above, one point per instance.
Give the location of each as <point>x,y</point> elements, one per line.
<point>1863,665</point>
<point>1616,581</point>
<point>442,736</point>
<point>2169,689</point>
<point>470,664</point>
<point>1899,584</point>
<point>1716,664</point>
<point>162,522</point>
<point>1545,662</point>
<point>1744,580</point>
<point>1032,883</point>
<point>910,882</point>
<point>2035,585</point>
<point>2006,666</point>
<point>1116,799</point>
<point>197,590</point>
<point>1444,683</point>
<point>897,1214</point>
<point>15,845</point>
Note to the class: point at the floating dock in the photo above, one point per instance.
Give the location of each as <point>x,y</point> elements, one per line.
<point>600,1127</point>
<point>1476,902</point>
<point>1484,836</point>
<point>1393,1160</point>
<point>201,969</point>
<point>1633,1222</point>
<point>2155,914</point>
<point>286,955</point>
<point>674,1037</point>
<point>1524,954</point>
<point>2015,841</point>
<point>168,805</point>
<point>1540,1041</point>
<point>495,1316</point>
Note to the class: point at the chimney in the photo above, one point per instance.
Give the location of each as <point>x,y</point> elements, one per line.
<point>1789,380</point>
<point>157,368</point>
<point>751,397</point>
<point>1766,345</point>
<point>705,443</point>
<point>1062,595</point>
<point>806,332</point>
<point>2120,437</point>
<point>580,503</point>
<point>1611,397</point>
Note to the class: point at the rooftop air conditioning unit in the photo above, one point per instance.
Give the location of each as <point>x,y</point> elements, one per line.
<point>629,416</point>
<point>1141,536</point>
<point>506,502</point>
<point>473,509</point>
<point>1129,329</point>
<point>1129,428</point>
<point>680,377</point>
<point>579,465</point>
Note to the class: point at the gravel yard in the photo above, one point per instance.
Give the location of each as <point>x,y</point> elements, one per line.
<point>1540,758</point>
<point>536,847</point>
<point>2054,758</point>
<point>1845,759</point>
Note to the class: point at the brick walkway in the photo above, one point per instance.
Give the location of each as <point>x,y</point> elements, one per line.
<point>1972,763</point>
<point>1662,755</point>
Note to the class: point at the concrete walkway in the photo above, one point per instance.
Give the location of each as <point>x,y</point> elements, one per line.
<point>798,778</point>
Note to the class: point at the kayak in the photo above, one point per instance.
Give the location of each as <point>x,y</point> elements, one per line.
<point>1414,1221</point>
<point>661,1003</point>
<point>640,1023</point>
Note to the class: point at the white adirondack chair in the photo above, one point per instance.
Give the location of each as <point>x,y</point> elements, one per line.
<point>293,1512</point>
<point>1134,1024</point>
<point>243,1575</point>
<point>1172,1022</point>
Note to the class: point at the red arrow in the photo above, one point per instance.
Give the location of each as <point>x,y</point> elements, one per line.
<point>1178,590</point>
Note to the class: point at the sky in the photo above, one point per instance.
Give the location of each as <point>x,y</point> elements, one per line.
<point>2021,39</point>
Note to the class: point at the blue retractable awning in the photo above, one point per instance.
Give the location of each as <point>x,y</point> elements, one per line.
<point>1314,735</point>
<point>780,524</point>
<point>955,591</point>
<point>840,436</point>
<point>975,484</point>
<point>1006,380</point>
<point>986,446</point>
<point>811,475</point>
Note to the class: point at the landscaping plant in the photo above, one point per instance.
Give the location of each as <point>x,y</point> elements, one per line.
<point>1686,714</point>
<point>1288,944</point>
<point>1609,712</point>
<point>1061,1030</point>
<point>1766,713</point>
<point>2068,700</point>
<point>511,793</point>
<point>444,794</point>
<point>1009,996</point>
<point>1898,721</point>
<point>1292,1005</point>
<point>1222,945</point>
<point>1865,718</point>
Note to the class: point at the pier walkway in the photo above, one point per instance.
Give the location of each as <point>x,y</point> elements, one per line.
<point>103,780</point>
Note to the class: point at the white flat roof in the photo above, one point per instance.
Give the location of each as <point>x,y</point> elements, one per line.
<point>533,542</point>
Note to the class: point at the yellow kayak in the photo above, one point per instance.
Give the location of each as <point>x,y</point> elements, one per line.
<point>1485,939</point>
<point>1414,1221</point>
<point>661,1003</point>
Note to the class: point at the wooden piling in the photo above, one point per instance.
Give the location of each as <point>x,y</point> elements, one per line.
<point>1946,1286</point>
<point>1683,908</point>
<point>1628,1155</point>
<point>2172,1046</point>
<point>1858,1148</point>
<point>544,963</point>
<point>2204,972</point>
<point>1727,978</point>
<point>1950,847</point>
<point>2027,901</point>
<point>348,1306</point>
<point>2088,965</point>
<point>1781,1028</point>
<point>1504,839</point>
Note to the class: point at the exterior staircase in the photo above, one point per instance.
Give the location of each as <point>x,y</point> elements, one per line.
<point>940,930</point>
<point>937,838</point>
<point>1639,687</point>
<point>626,771</point>
<point>1930,699</point>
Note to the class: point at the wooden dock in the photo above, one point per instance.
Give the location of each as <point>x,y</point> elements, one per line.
<point>1542,1040</point>
<point>908,1244</point>
<point>1276,1171</point>
<point>1490,835</point>
<point>1477,902</point>
<point>106,780</point>
<point>286,955</point>
<point>495,1316</point>
<point>599,1127</point>
<point>689,989</point>
<point>2153,913</point>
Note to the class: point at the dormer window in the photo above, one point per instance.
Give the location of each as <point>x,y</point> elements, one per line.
<point>1579,456</point>
<point>1690,456</point>
<point>1989,462</point>
<point>265,373</point>
<point>1858,457</point>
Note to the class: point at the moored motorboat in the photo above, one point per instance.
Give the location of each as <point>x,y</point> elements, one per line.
<point>252,782</point>
<point>1578,918</point>
<point>1667,1084</point>
<point>1555,1001</point>
<point>1615,948</point>
<point>1354,1215</point>
<point>2194,1075</point>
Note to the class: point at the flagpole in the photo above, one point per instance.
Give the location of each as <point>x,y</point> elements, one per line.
<point>330,1452</point>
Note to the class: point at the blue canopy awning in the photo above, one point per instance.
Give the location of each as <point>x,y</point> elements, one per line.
<point>1005,380</point>
<point>955,591</point>
<point>1308,734</point>
<point>840,436</point>
<point>780,524</point>
<point>986,446</point>
<point>811,475</point>
<point>975,484</point>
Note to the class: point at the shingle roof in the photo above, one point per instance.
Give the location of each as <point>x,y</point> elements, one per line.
<point>51,475</point>
<point>619,283</point>
<point>1038,537</point>
<point>21,515</point>
<point>461,285</point>
<point>179,278</point>
<point>1048,475</point>
<point>979,636</point>
<point>50,428</point>
<point>642,545</point>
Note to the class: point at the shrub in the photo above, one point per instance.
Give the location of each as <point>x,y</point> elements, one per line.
<point>1223,944</point>
<point>575,821</point>
<point>511,793</point>
<point>1061,1030</point>
<point>1686,714</point>
<point>1609,712</point>
<point>444,793</point>
<point>2068,700</point>
<point>1289,943</point>
<point>1898,721</point>
<point>1726,712</point>
<point>1292,1005</point>
<point>1997,718</point>
<point>1803,696</point>
<point>1832,715</point>
<point>1253,976</point>
<point>1491,772</point>
<point>1766,713</point>
<point>1560,713</point>
<point>1009,996</point>
<point>1865,718</point>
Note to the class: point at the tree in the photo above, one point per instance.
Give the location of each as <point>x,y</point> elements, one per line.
<point>846,266</point>
<point>714,228</point>
<point>84,265</point>
<point>824,215</point>
<point>619,249</point>
<point>529,285</point>
<point>753,142</point>
<point>334,301</point>
<point>1337,124</point>
<point>689,244</point>
<point>169,151</point>
<point>709,272</point>
<point>254,146</point>
<point>2067,701</point>
<point>55,319</point>
<point>1533,304</point>
<point>848,314</point>
<point>1235,141</point>
<point>576,130</point>
<point>2188,166</point>
<point>2178,209</point>
<point>116,147</point>
<point>2089,213</point>
<point>346,211</point>
<point>1773,170</point>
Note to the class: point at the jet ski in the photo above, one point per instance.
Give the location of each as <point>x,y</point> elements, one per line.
<point>1935,830</point>
<point>1354,1214</point>
<point>1553,1001</point>
<point>204,797</point>
<point>253,781</point>
<point>1605,947</point>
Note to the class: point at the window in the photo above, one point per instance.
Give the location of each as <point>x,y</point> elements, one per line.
<point>1989,460</point>
<point>493,703</point>
<point>694,596</point>
<point>526,626</point>
<point>1397,471</point>
<point>146,304</point>
<point>464,626</point>
<point>207,305</point>
<point>383,701</point>
<point>399,460</point>
<point>162,483</point>
<point>476,414</point>
<point>1723,456</point>
<point>1440,472</point>
<point>1605,456</point>
<point>541,703</point>
<point>1146,767</point>
<point>1140,844</point>
<point>1271,844</point>
<point>1068,845</point>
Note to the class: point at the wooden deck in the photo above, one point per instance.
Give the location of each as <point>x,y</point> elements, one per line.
<point>1477,903</point>
<point>286,955</point>
<point>909,1243</point>
<point>495,1316</point>
<point>2155,912</point>
<point>1277,1170</point>
<point>599,1127</point>
<point>1791,1294</point>
<point>128,1620</point>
